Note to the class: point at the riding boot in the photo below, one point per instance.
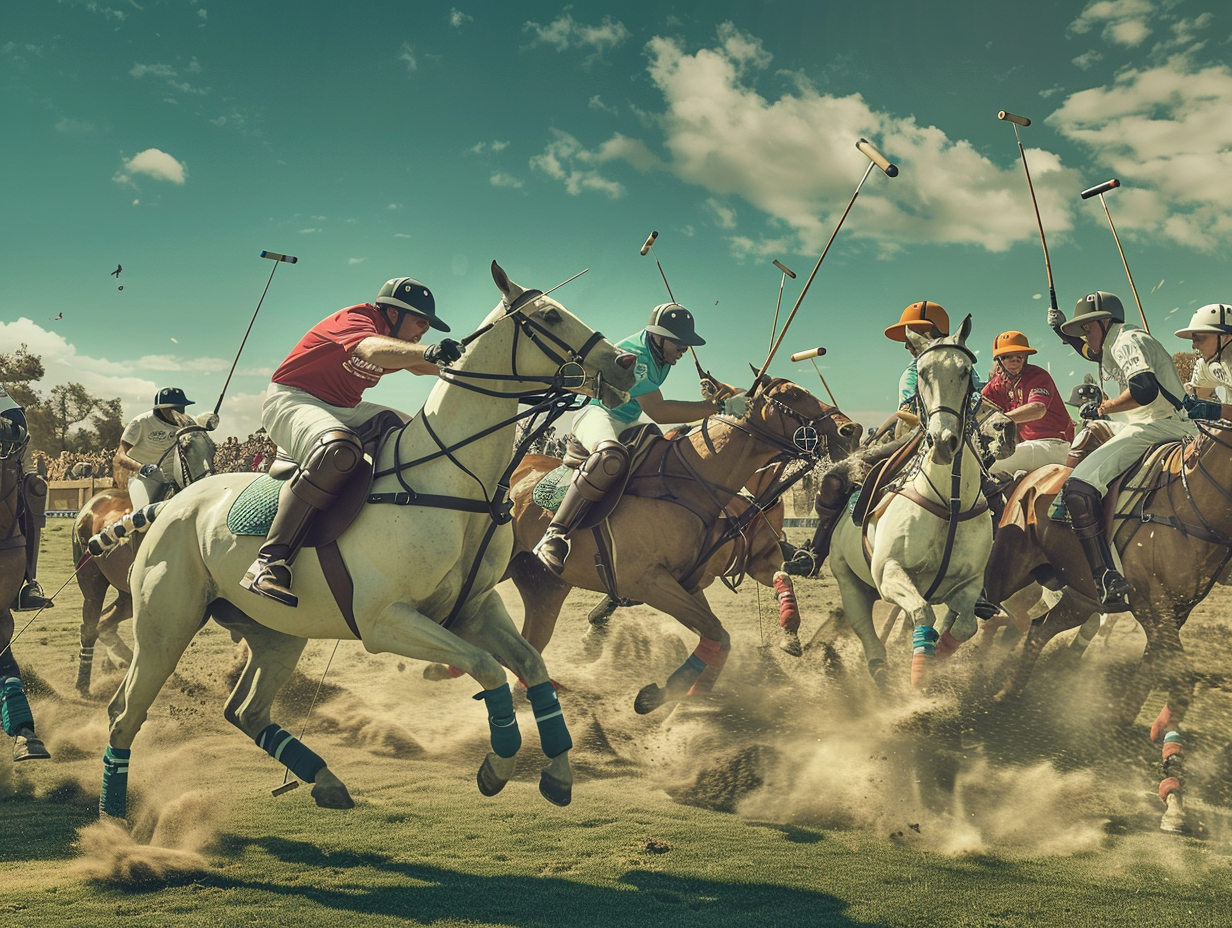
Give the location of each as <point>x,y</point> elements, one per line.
<point>592,481</point>
<point>829,504</point>
<point>313,487</point>
<point>31,595</point>
<point>1086,515</point>
<point>991,488</point>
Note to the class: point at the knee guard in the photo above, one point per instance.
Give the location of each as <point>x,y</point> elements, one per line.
<point>335,455</point>
<point>34,489</point>
<point>1091,437</point>
<point>602,470</point>
<point>831,495</point>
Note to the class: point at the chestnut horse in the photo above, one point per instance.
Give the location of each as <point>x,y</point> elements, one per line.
<point>1170,566</point>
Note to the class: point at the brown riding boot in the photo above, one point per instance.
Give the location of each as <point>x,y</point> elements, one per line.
<point>317,483</point>
<point>829,505</point>
<point>598,474</point>
<point>1086,515</point>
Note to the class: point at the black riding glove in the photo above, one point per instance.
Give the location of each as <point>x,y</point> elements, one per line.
<point>1090,411</point>
<point>444,352</point>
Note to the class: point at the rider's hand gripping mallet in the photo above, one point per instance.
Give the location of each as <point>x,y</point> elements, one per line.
<point>277,259</point>
<point>891,170</point>
<point>649,246</point>
<point>811,355</point>
<point>787,272</point>
<point>1099,190</point>
<point>1017,121</point>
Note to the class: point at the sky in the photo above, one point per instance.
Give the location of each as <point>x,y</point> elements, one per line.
<point>383,139</point>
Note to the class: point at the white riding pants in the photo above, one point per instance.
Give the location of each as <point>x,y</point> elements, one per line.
<point>1031,455</point>
<point>1129,440</point>
<point>294,418</point>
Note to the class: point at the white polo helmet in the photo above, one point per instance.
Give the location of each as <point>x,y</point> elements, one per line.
<point>1213,317</point>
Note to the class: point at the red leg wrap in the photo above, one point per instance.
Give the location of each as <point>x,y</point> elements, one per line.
<point>789,611</point>
<point>454,672</point>
<point>1171,748</point>
<point>920,666</point>
<point>947,644</point>
<point>1171,784</point>
<point>715,656</point>
<point>1163,724</point>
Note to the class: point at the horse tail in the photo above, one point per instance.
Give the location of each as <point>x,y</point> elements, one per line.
<point>115,534</point>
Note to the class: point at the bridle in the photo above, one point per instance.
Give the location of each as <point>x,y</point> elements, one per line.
<point>806,439</point>
<point>182,458</point>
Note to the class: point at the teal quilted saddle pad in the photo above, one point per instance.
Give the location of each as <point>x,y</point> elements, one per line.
<point>548,492</point>
<point>252,513</point>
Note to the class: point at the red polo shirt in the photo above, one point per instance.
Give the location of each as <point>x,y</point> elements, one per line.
<point>1034,385</point>
<point>322,362</point>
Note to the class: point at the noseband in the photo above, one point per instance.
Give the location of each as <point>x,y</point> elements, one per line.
<point>966,422</point>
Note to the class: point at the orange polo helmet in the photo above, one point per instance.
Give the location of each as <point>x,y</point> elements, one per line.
<point>1011,343</point>
<point>920,318</point>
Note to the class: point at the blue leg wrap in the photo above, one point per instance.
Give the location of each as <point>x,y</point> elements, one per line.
<point>924,640</point>
<point>502,723</point>
<point>553,733</point>
<point>687,673</point>
<point>290,751</point>
<point>113,800</point>
<point>14,709</point>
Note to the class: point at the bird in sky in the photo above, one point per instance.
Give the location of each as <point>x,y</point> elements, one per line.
<point>57,317</point>
<point>116,272</point>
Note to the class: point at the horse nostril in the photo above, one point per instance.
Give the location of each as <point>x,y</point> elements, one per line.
<point>626,360</point>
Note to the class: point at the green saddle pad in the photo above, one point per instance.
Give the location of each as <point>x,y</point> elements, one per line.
<point>252,513</point>
<point>548,492</point>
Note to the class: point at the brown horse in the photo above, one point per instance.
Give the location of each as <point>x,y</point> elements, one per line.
<point>671,515</point>
<point>14,707</point>
<point>193,453</point>
<point>1170,566</point>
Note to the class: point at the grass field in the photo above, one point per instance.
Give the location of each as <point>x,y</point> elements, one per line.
<point>790,797</point>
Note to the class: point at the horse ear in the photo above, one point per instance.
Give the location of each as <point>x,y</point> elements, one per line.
<point>916,340</point>
<point>506,286</point>
<point>759,381</point>
<point>964,330</point>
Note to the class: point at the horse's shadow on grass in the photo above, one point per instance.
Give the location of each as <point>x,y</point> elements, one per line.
<point>437,894</point>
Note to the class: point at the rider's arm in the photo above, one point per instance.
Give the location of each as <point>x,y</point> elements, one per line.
<point>1078,343</point>
<point>122,458</point>
<point>671,412</point>
<point>1124,402</point>
<point>394,354</point>
<point>1027,412</point>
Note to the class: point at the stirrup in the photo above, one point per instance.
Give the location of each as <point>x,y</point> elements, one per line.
<point>986,609</point>
<point>31,597</point>
<point>263,579</point>
<point>552,550</point>
<point>1113,591</point>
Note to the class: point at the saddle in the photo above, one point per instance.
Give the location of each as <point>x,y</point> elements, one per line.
<point>641,439</point>
<point>880,479</point>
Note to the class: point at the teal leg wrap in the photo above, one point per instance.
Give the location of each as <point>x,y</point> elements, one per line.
<point>14,709</point>
<point>290,751</point>
<point>502,723</point>
<point>687,673</point>
<point>553,733</point>
<point>113,800</point>
<point>924,640</point>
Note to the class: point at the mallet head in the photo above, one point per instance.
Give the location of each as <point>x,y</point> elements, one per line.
<point>649,242</point>
<point>873,155</point>
<point>811,353</point>
<point>275,256</point>
<point>1010,117</point>
<point>786,270</point>
<point>1100,188</point>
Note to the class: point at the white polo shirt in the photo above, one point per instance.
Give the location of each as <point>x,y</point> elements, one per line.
<point>1129,351</point>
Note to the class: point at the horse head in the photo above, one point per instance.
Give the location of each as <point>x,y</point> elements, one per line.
<point>788,411</point>
<point>193,450</point>
<point>943,382</point>
<point>553,347</point>
<point>996,432</point>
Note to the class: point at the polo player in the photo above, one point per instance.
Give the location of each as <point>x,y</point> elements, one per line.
<point>1028,395</point>
<point>145,442</point>
<point>1210,331</point>
<point>32,489</point>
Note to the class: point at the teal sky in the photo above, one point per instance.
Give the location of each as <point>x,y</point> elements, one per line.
<point>382,139</point>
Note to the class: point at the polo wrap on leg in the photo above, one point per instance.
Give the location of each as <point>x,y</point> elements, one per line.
<point>502,722</point>
<point>553,733</point>
<point>113,800</point>
<point>789,610</point>
<point>14,708</point>
<point>290,752</point>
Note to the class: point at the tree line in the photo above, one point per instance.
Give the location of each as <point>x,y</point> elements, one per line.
<point>69,417</point>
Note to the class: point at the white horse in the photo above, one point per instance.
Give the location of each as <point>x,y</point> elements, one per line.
<point>424,571</point>
<point>938,546</point>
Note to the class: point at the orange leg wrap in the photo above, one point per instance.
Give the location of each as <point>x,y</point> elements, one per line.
<point>947,644</point>
<point>1162,724</point>
<point>1171,784</point>
<point>715,656</point>
<point>789,611</point>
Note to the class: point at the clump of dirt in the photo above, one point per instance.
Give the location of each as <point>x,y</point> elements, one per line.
<point>298,693</point>
<point>654,846</point>
<point>721,786</point>
<point>110,854</point>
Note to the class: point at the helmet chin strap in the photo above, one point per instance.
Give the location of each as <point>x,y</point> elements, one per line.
<point>656,347</point>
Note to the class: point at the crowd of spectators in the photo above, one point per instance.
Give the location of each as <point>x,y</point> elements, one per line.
<point>255,453</point>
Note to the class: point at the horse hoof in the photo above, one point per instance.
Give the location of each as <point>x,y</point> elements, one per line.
<point>28,747</point>
<point>557,792</point>
<point>437,672</point>
<point>790,643</point>
<point>1173,821</point>
<point>649,698</point>
<point>489,782</point>
<point>330,793</point>
<point>880,674</point>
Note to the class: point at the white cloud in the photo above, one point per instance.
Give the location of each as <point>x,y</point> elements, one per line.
<point>203,15</point>
<point>1088,59</point>
<point>170,75</point>
<point>566,160</point>
<point>1124,22</point>
<point>308,231</point>
<point>458,19</point>
<point>173,362</point>
<point>726,215</point>
<point>356,260</point>
<point>407,53</point>
<point>1164,130</point>
<point>565,32</point>
<point>155,163</point>
<point>505,180</point>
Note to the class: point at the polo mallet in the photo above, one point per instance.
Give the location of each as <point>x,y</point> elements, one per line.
<point>277,259</point>
<point>649,246</point>
<point>1017,121</point>
<point>891,170</point>
<point>787,272</point>
<point>1099,190</point>
<point>287,783</point>
<point>811,355</point>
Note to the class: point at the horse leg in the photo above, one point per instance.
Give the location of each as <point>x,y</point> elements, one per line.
<point>94,588</point>
<point>14,707</point>
<point>961,622</point>
<point>660,590</point>
<point>493,630</point>
<point>1176,671</point>
<point>543,594</point>
<point>1069,612</point>
<point>858,599</point>
<point>108,629</point>
<point>272,657</point>
<point>897,587</point>
<point>402,629</point>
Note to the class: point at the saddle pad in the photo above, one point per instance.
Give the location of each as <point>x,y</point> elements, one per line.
<point>548,492</point>
<point>253,511</point>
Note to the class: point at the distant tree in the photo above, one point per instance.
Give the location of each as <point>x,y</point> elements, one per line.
<point>1184,361</point>
<point>19,369</point>
<point>70,418</point>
